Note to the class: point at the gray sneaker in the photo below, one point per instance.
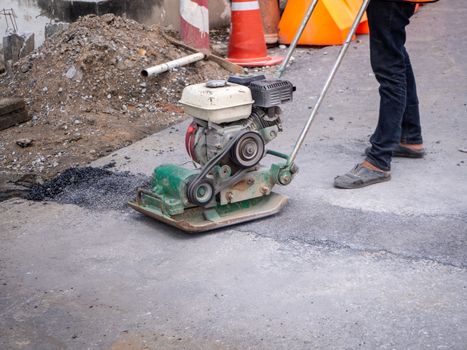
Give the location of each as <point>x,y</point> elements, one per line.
<point>359,177</point>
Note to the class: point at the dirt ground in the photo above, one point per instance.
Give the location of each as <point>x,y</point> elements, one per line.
<point>84,91</point>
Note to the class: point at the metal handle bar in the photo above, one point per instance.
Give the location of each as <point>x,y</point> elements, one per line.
<point>341,56</point>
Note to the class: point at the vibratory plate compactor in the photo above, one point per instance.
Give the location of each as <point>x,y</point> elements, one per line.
<point>232,123</point>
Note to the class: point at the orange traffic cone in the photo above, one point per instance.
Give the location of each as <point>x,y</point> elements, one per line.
<point>329,25</point>
<point>271,16</point>
<point>247,46</point>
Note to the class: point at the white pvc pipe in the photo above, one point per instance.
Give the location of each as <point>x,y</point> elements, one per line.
<point>164,67</point>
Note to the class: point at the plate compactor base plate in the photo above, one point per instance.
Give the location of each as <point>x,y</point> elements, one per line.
<point>198,219</point>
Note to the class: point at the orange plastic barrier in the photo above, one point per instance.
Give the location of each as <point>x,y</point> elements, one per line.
<point>354,6</point>
<point>247,46</point>
<point>329,24</point>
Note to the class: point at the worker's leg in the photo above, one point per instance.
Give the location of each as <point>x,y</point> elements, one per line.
<point>387,22</point>
<point>411,143</point>
<point>411,128</point>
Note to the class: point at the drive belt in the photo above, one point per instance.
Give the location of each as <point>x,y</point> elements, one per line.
<point>213,162</point>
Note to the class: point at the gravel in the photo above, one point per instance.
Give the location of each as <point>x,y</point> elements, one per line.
<point>91,72</point>
<point>93,188</point>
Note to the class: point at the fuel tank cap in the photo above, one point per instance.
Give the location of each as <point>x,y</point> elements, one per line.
<point>216,83</point>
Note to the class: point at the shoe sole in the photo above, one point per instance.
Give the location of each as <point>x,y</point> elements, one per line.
<point>403,154</point>
<point>414,155</point>
<point>365,184</point>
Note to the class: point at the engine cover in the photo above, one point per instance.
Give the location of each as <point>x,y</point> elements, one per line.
<point>217,101</point>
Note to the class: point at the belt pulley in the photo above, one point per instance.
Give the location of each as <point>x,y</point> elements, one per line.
<point>246,150</point>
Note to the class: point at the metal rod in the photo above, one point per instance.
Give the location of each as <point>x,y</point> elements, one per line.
<point>164,67</point>
<point>10,13</point>
<point>297,36</point>
<point>341,56</point>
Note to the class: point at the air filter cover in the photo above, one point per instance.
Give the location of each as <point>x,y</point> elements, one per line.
<point>271,92</point>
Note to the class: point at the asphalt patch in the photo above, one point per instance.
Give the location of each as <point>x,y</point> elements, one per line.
<point>94,188</point>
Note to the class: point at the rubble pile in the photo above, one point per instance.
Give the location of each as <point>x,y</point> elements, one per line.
<point>86,97</point>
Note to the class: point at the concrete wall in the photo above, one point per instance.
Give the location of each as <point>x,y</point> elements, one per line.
<point>166,13</point>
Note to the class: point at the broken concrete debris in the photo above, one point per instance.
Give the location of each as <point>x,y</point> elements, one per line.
<point>17,45</point>
<point>16,184</point>
<point>55,28</point>
<point>12,111</point>
<point>90,72</point>
<point>2,62</point>
<point>74,74</point>
<point>23,143</point>
<point>8,105</point>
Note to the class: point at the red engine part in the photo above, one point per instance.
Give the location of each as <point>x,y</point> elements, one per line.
<point>190,137</point>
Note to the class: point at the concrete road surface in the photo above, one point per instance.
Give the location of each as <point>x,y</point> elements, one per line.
<point>378,268</point>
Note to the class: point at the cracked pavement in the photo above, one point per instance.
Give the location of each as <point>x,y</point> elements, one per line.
<point>378,268</point>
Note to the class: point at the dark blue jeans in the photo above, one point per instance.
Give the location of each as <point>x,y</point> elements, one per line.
<point>399,117</point>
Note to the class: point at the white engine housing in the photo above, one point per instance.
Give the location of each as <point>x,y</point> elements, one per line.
<point>219,103</point>
<point>222,110</point>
